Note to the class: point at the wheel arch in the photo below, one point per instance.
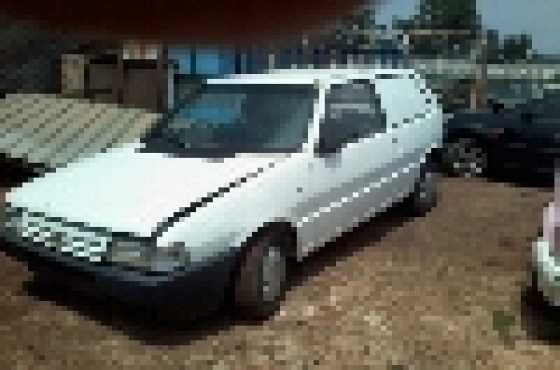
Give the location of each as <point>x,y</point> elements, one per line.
<point>282,226</point>
<point>479,135</point>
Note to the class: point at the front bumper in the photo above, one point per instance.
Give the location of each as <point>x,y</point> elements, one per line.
<point>546,270</point>
<point>196,289</point>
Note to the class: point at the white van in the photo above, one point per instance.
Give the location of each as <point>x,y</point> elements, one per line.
<point>256,169</point>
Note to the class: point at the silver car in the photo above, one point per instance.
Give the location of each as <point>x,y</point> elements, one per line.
<point>212,201</point>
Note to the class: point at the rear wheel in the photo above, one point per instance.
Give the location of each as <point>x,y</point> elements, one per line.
<point>535,295</point>
<point>424,197</point>
<point>260,284</point>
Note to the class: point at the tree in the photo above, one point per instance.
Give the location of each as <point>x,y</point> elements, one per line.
<point>354,30</point>
<point>445,14</point>
<point>517,47</point>
<point>493,48</point>
<point>442,28</point>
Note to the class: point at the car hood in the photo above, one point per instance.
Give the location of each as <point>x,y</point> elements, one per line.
<point>126,190</point>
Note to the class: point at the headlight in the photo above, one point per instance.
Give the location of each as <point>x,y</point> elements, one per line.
<point>143,254</point>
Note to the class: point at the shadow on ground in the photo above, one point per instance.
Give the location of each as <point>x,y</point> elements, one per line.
<point>540,320</point>
<point>149,325</point>
<point>363,236</point>
<point>522,178</point>
<point>15,171</point>
<point>154,327</point>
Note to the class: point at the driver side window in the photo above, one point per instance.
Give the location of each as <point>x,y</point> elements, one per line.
<point>352,112</point>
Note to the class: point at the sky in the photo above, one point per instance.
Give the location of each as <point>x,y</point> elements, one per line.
<point>539,18</point>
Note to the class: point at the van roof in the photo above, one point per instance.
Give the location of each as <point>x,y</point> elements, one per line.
<point>310,76</point>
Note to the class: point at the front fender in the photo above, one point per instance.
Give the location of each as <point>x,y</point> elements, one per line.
<point>226,223</point>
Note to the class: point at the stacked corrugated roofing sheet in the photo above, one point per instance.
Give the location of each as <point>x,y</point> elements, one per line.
<point>50,131</point>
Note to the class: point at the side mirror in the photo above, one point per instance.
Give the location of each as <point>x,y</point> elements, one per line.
<point>325,149</point>
<point>497,108</point>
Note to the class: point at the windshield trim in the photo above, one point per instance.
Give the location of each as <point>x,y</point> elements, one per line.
<point>151,139</point>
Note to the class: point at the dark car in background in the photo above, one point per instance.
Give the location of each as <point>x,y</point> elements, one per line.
<point>520,140</point>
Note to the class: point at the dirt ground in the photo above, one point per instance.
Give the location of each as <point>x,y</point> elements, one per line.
<point>444,291</point>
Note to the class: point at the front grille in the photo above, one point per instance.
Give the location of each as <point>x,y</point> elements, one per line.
<point>56,235</point>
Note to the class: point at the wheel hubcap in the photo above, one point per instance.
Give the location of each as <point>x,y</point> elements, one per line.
<point>273,273</point>
<point>466,159</point>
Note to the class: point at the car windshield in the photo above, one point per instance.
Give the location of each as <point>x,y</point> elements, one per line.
<point>238,118</point>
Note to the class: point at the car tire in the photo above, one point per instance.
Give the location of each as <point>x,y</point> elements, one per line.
<point>260,283</point>
<point>425,194</point>
<point>465,157</point>
<point>535,295</point>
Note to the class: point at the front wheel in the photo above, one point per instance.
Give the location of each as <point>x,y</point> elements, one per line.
<point>465,157</point>
<point>261,279</point>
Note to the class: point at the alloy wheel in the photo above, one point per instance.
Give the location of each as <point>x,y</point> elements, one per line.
<point>465,158</point>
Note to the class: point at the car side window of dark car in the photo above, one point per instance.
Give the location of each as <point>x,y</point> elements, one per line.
<point>352,111</point>
<point>547,106</point>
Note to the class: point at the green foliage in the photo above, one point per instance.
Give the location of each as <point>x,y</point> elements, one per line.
<point>502,323</point>
<point>445,14</point>
<point>516,47</point>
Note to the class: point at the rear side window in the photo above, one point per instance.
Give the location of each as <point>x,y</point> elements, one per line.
<point>352,111</point>
<point>404,98</point>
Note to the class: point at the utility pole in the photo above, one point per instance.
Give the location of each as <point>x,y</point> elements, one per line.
<point>480,61</point>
